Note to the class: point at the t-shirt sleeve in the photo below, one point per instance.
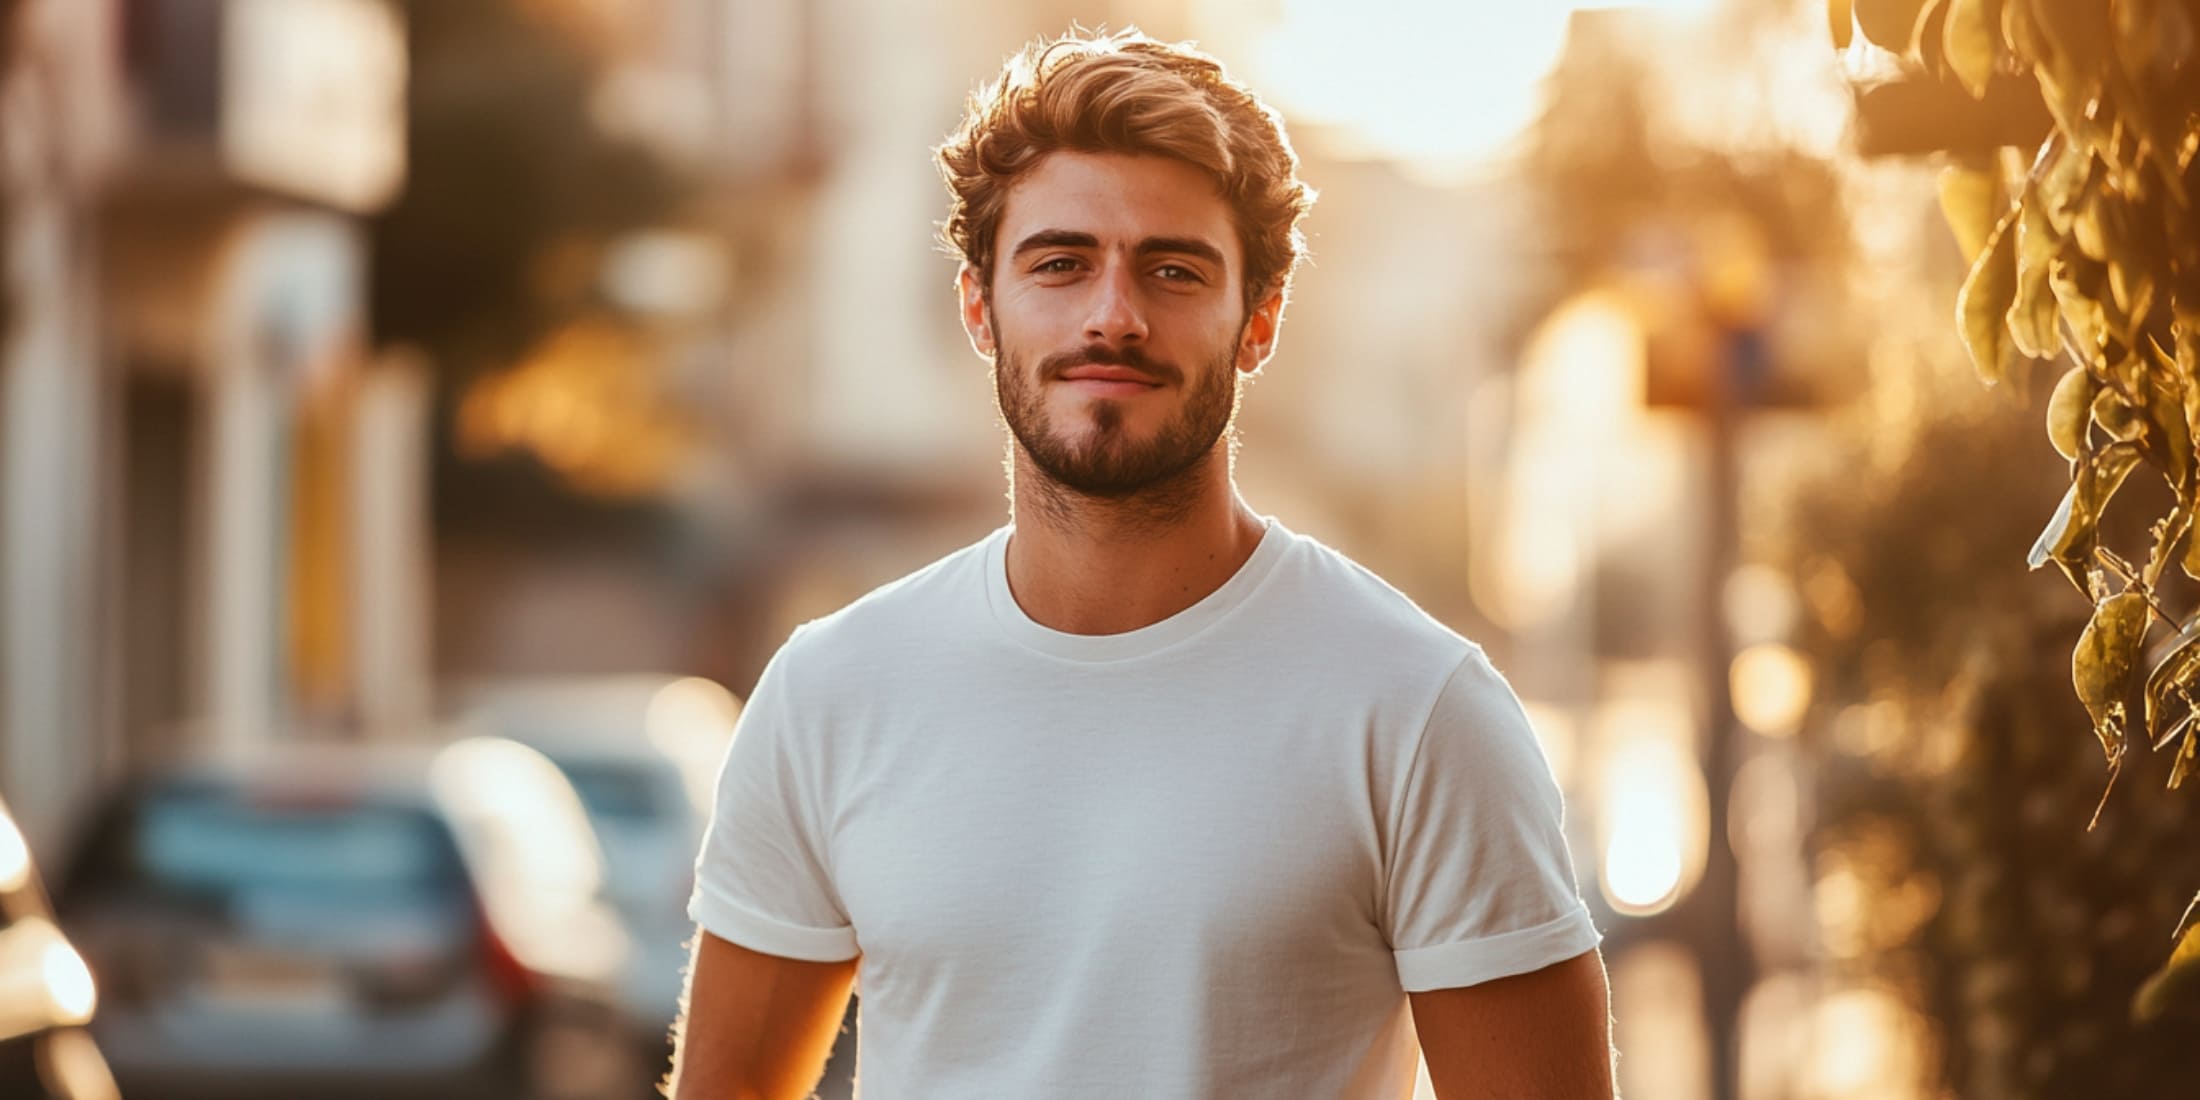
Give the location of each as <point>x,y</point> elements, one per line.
<point>1480,885</point>
<point>761,880</point>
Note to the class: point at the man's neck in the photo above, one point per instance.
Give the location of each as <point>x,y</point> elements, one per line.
<point>1086,566</point>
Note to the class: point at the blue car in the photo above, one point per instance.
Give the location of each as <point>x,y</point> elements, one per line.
<point>386,921</point>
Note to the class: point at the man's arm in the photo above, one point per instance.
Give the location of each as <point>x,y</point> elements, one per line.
<point>755,1026</point>
<point>1543,1035</point>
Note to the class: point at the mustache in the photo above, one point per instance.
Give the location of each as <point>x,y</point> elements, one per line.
<point>1132,356</point>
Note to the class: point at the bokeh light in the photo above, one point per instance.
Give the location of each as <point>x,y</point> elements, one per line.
<point>15,856</point>
<point>1771,686</point>
<point>68,983</point>
<point>1651,806</point>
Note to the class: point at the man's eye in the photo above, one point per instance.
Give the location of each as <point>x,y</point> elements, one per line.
<point>1060,265</point>
<point>1177,273</point>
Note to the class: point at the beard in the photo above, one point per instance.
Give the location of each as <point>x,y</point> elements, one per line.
<point>1104,461</point>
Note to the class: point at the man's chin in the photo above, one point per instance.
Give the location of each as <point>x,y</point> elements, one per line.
<point>1117,474</point>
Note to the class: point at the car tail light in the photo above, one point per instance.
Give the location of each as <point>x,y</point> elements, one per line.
<point>511,978</point>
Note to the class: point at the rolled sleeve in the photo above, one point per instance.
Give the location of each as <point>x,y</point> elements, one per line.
<point>1480,883</point>
<point>760,879</point>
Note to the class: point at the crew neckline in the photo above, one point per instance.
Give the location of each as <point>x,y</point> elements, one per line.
<point>1151,638</point>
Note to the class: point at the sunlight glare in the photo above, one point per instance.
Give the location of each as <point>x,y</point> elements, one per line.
<point>1450,96</point>
<point>68,983</point>
<point>1447,90</point>
<point>15,856</point>
<point>1653,813</point>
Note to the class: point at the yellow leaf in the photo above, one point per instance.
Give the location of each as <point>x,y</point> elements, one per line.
<point>2131,289</point>
<point>1971,200</point>
<point>1889,24</point>
<point>2177,978</point>
<point>2069,410</point>
<point>2061,181</point>
<point>2169,437</point>
<point>2033,315</point>
<point>2115,416</point>
<point>2175,672</point>
<point>2070,535</point>
<point>2185,365</point>
<point>2100,667</point>
<point>2070,277</point>
<point>2168,532</point>
<point>2092,224</point>
<point>1970,43</point>
<point>2191,561</point>
<point>1982,308</point>
<point>2018,29</point>
<point>2069,92</point>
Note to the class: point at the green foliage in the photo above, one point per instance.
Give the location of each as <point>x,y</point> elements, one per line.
<point>2092,251</point>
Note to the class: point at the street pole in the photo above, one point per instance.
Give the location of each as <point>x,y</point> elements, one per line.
<point>1722,953</point>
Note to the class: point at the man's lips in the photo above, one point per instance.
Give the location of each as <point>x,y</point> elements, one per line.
<point>1104,372</point>
<point>1108,380</point>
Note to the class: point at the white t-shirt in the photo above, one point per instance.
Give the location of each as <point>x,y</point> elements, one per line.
<point>1205,858</point>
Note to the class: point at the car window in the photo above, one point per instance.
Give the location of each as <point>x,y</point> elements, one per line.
<point>215,841</point>
<point>614,791</point>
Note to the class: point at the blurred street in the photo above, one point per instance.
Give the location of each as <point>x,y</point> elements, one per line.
<point>420,421</point>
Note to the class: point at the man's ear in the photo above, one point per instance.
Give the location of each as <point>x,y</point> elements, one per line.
<point>1262,326</point>
<point>975,318</point>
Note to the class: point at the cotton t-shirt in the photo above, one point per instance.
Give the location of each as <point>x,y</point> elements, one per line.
<point>1205,858</point>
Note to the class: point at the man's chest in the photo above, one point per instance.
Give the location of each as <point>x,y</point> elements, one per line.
<point>1070,835</point>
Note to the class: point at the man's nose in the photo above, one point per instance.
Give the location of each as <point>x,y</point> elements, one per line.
<point>1117,315</point>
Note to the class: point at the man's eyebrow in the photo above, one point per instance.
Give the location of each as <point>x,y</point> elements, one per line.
<point>1055,238</point>
<point>1069,238</point>
<point>1181,246</point>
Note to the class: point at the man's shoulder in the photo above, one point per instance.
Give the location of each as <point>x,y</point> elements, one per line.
<point>900,612</point>
<point>1324,586</point>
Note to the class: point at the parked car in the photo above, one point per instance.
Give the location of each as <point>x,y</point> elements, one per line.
<point>391,920</point>
<point>46,991</point>
<point>643,753</point>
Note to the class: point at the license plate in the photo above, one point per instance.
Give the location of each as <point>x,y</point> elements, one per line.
<point>245,977</point>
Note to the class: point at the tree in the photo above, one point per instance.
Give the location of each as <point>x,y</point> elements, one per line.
<point>1949,785</point>
<point>511,190</point>
<point>2086,249</point>
<point>490,257</point>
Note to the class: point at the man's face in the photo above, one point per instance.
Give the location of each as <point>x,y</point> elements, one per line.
<point>1116,319</point>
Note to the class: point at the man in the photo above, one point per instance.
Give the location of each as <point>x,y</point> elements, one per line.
<point>1143,795</point>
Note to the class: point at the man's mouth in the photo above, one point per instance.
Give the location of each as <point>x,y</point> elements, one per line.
<point>1109,380</point>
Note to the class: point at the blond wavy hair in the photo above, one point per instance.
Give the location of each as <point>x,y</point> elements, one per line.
<point>1127,93</point>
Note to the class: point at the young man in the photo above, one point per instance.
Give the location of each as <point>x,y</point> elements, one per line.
<point>1143,795</point>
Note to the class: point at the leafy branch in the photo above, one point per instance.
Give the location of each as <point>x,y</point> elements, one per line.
<point>2089,250</point>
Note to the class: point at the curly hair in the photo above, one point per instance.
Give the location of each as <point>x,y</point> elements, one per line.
<point>1127,93</point>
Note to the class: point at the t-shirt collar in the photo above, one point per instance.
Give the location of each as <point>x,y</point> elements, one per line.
<point>1183,625</point>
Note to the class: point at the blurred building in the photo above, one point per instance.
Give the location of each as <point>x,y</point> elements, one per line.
<point>196,545</point>
<point>59,109</point>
